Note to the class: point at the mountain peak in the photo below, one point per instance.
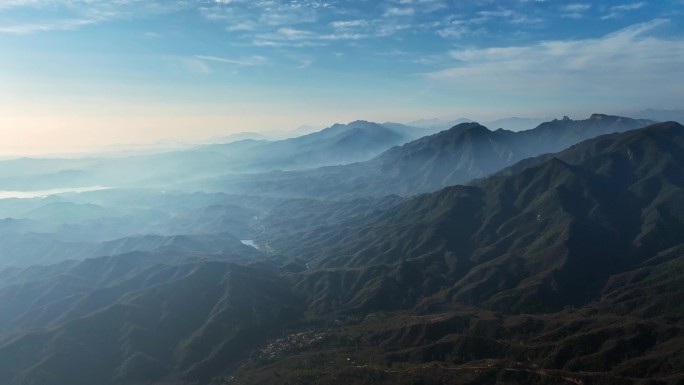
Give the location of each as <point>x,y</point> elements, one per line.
<point>603,117</point>
<point>470,126</point>
<point>467,125</point>
<point>339,127</point>
<point>361,121</point>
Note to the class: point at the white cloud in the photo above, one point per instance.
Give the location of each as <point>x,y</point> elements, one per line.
<point>250,61</point>
<point>344,36</point>
<point>453,32</point>
<point>389,29</point>
<point>247,15</point>
<point>286,36</point>
<point>226,2</point>
<point>349,24</point>
<point>574,10</point>
<point>576,7</point>
<point>618,10</point>
<point>287,16</point>
<point>628,7</point>
<point>19,3</point>
<point>421,6</point>
<point>75,14</point>
<point>294,34</point>
<point>247,25</point>
<point>292,37</point>
<point>56,25</point>
<point>197,66</point>
<point>627,62</point>
<point>397,11</point>
<point>507,15</point>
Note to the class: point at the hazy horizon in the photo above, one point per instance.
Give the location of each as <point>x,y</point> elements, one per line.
<point>57,148</point>
<point>82,75</point>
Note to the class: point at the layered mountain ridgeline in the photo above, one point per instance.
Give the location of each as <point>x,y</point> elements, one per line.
<point>511,123</point>
<point>338,144</point>
<point>567,270</point>
<point>549,236</point>
<point>458,155</point>
<point>660,115</point>
<point>116,221</point>
<point>49,230</point>
<point>428,161</point>
<point>602,235</point>
<point>30,249</point>
<point>48,312</point>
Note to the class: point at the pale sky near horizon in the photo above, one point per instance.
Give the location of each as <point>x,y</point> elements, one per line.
<point>77,75</point>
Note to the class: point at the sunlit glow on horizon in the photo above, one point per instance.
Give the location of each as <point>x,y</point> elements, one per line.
<point>88,75</point>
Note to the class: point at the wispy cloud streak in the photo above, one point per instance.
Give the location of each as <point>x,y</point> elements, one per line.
<point>618,10</point>
<point>629,61</point>
<point>243,62</point>
<point>58,25</point>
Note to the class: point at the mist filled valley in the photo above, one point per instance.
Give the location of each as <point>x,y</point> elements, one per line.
<point>359,254</point>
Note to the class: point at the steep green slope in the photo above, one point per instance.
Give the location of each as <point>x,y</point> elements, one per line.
<point>193,325</point>
<point>544,238</point>
<point>568,271</point>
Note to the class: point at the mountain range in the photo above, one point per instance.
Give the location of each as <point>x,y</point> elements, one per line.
<point>469,256</point>
<point>337,144</point>
<point>580,253</point>
<point>454,156</point>
<point>510,124</point>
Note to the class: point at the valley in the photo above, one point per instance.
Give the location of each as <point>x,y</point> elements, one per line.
<point>552,255</point>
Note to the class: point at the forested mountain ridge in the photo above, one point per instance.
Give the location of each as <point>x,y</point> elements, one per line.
<point>564,266</point>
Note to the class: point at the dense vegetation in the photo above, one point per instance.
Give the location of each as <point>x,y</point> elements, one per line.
<point>561,268</point>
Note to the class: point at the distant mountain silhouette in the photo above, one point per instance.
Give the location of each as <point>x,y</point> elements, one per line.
<point>337,144</point>
<point>660,115</point>
<point>436,125</point>
<point>68,212</point>
<point>515,123</point>
<point>458,155</point>
<point>511,124</point>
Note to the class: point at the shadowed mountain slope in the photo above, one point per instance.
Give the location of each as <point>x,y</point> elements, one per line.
<point>577,260</point>
<point>546,237</point>
<point>173,324</point>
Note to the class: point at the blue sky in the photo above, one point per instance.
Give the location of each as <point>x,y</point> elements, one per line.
<point>77,74</point>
